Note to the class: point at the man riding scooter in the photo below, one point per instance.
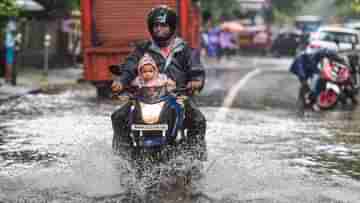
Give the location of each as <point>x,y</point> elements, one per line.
<point>174,58</point>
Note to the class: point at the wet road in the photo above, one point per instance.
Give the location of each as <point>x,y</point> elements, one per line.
<point>57,148</point>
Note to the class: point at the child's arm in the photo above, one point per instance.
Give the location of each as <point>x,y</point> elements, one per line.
<point>170,84</point>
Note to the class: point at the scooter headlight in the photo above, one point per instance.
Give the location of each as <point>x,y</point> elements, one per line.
<point>150,113</point>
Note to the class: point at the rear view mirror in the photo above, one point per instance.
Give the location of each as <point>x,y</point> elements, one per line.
<point>196,72</point>
<point>115,69</point>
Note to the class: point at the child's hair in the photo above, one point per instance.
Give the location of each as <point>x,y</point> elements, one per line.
<point>147,59</point>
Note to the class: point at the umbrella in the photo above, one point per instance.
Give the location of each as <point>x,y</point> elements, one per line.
<point>232,26</point>
<point>29,5</point>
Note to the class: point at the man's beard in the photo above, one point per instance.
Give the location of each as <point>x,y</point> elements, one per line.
<point>162,41</point>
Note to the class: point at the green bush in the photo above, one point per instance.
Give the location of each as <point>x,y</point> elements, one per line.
<point>281,18</point>
<point>8,8</point>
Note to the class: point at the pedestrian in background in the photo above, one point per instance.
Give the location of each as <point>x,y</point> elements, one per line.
<point>204,42</point>
<point>213,50</point>
<point>9,49</point>
<point>227,43</point>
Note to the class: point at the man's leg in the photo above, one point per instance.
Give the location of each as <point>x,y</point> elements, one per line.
<point>315,85</point>
<point>194,120</point>
<point>119,121</point>
<point>354,100</point>
<point>315,89</point>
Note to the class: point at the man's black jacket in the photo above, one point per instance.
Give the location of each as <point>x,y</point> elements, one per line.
<point>181,66</point>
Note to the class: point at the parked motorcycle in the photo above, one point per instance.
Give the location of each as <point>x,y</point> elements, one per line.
<point>337,85</point>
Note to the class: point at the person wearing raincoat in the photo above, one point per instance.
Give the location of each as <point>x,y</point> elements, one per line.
<point>305,67</point>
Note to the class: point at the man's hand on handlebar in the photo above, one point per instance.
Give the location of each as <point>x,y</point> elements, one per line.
<point>194,85</point>
<point>117,87</point>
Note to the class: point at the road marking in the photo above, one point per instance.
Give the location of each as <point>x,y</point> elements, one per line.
<point>224,109</point>
<point>229,99</point>
<point>239,85</point>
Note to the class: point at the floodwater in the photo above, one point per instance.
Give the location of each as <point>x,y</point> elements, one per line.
<point>57,148</point>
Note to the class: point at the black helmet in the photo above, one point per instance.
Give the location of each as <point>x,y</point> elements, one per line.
<point>162,14</point>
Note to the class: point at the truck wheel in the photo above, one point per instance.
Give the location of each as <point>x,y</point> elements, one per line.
<point>327,99</point>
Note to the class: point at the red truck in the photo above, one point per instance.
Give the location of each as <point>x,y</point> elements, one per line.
<point>111,27</point>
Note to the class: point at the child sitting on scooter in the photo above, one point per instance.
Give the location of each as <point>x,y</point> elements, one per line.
<point>149,75</point>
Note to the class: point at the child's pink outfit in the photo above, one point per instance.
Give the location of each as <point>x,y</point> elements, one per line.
<point>159,79</point>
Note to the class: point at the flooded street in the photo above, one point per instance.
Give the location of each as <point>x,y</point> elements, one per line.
<point>57,148</point>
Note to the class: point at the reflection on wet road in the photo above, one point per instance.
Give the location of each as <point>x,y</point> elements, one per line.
<point>57,148</point>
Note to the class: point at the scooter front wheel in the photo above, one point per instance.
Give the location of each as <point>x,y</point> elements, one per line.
<point>327,99</point>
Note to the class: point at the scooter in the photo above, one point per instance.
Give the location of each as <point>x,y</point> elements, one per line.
<point>155,125</point>
<point>336,86</point>
<point>155,121</point>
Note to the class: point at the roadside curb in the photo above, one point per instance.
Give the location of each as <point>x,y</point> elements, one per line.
<point>9,97</point>
<point>32,81</point>
<point>36,90</point>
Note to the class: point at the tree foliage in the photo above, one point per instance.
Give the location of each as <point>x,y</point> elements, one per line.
<point>59,7</point>
<point>289,7</point>
<point>217,8</point>
<point>228,7</point>
<point>59,4</point>
<point>355,4</point>
<point>8,8</point>
<point>351,7</point>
